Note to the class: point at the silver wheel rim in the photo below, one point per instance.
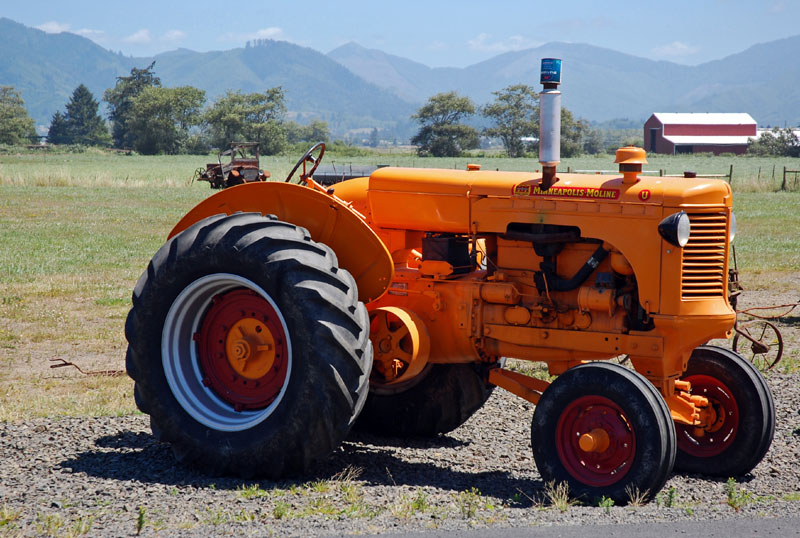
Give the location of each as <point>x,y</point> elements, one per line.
<point>181,363</point>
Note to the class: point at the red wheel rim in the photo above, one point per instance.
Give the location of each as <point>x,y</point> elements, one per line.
<point>722,420</point>
<point>607,462</point>
<point>243,350</point>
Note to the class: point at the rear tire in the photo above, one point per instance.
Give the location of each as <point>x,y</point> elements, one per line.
<point>248,347</point>
<point>743,403</point>
<point>633,454</point>
<point>438,400</point>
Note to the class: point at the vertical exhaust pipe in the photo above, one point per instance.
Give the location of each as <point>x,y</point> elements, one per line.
<point>550,121</point>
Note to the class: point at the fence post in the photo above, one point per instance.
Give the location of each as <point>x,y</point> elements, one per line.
<point>783,184</point>
<point>730,175</point>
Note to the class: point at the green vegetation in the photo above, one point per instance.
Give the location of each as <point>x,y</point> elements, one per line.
<point>257,117</point>
<point>120,102</point>
<point>441,132</point>
<point>605,503</point>
<point>515,113</point>
<point>16,126</point>
<point>735,496</point>
<point>558,495</point>
<point>779,142</point>
<point>468,502</point>
<point>667,499</point>
<point>81,123</point>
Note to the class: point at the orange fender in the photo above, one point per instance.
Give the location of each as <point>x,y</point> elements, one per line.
<point>328,221</point>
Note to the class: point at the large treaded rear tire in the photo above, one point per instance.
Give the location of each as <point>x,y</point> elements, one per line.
<point>438,400</point>
<point>327,355</point>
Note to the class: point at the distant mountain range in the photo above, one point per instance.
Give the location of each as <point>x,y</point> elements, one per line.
<point>601,84</point>
<point>354,88</point>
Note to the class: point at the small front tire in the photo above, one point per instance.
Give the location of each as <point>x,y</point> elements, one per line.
<point>605,431</point>
<point>741,432</point>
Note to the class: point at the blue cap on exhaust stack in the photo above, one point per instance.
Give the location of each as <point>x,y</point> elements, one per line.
<point>551,71</point>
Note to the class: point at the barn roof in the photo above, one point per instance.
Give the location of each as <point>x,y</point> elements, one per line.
<point>704,118</point>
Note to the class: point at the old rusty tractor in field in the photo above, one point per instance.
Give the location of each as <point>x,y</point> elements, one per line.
<point>242,167</point>
<point>278,316</point>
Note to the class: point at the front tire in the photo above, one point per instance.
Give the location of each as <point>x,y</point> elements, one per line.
<point>744,413</point>
<point>248,347</point>
<point>605,431</point>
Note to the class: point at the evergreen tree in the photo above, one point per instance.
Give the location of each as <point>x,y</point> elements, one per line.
<point>16,125</point>
<point>84,124</point>
<point>119,99</point>
<point>59,131</point>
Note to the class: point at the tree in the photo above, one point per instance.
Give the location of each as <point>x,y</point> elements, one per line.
<point>441,134</point>
<point>160,118</point>
<point>83,123</point>
<point>316,131</point>
<point>119,100</point>
<point>59,131</point>
<point>16,125</point>
<point>515,112</point>
<point>374,139</point>
<point>778,142</point>
<point>572,134</point>
<point>257,117</point>
<point>593,142</point>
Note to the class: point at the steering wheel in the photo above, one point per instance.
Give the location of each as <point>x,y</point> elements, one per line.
<point>308,157</point>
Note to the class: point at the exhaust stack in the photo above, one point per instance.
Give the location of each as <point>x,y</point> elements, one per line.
<point>550,120</point>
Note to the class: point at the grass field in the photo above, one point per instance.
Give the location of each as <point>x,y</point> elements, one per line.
<point>103,169</point>
<point>76,231</point>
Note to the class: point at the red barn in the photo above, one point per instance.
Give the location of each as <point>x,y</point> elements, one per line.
<point>671,133</point>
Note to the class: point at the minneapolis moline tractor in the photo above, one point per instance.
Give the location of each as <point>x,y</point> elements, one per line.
<point>278,316</point>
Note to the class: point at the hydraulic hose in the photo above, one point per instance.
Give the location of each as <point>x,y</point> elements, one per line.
<point>549,280</point>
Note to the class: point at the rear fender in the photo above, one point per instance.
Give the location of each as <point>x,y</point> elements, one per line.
<point>357,247</point>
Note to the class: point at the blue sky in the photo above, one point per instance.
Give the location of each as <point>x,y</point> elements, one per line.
<point>432,32</point>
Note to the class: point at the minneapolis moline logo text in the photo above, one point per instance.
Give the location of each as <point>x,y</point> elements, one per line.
<point>567,192</point>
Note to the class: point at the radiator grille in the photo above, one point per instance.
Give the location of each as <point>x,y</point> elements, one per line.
<point>703,263</point>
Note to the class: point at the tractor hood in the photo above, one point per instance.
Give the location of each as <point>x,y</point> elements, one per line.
<point>438,200</point>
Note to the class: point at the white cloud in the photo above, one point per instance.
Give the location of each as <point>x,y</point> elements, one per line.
<point>173,35</point>
<point>54,27</point>
<point>676,49</point>
<point>485,43</point>
<point>141,37</point>
<point>273,32</point>
<point>94,35</point>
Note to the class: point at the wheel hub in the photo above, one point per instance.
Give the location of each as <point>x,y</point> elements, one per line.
<point>720,420</point>
<point>595,441</point>
<point>250,348</point>
<point>242,349</point>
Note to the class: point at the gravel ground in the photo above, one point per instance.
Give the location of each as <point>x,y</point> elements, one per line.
<point>109,477</point>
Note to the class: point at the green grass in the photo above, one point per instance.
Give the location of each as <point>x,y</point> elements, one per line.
<point>767,239</point>
<point>103,169</point>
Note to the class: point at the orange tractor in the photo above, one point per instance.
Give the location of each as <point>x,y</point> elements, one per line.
<point>277,316</point>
